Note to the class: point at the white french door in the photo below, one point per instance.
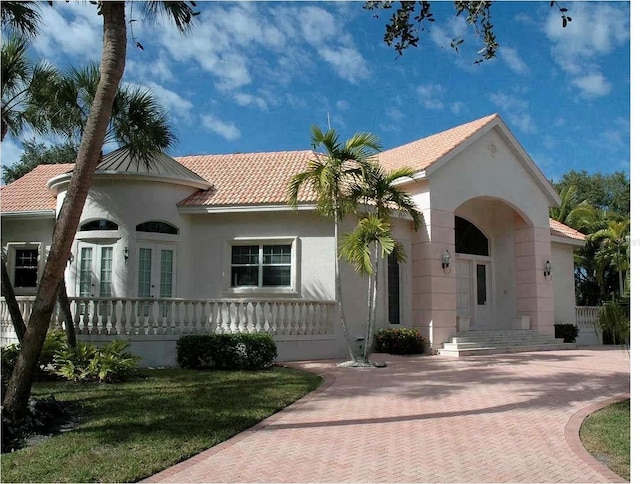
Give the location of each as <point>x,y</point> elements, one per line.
<point>156,270</point>
<point>95,270</point>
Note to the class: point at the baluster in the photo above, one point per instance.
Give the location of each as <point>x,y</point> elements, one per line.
<point>266,317</point>
<point>234,316</point>
<point>288,309</point>
<point>251,317</point>
<point>116,322</point>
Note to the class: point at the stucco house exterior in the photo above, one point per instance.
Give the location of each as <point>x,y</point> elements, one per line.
<point>209,244</point>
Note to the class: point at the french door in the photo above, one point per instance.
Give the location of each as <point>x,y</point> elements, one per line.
<point>474,291</point>
<point>156,272</point>
<point>96,267</point>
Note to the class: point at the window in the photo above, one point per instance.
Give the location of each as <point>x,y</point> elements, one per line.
<point>26,268</point>
<point>393,288</point>
<point>469,238</point>
<point>481,284</point>
<point>261,265</point>
<point>99,225</point>
<point>157,227</point>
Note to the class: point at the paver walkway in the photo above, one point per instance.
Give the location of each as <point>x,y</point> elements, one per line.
<point>498,418</point>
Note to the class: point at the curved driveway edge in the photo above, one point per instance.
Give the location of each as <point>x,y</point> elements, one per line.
<point>499,418</point>
<point>572,435</point>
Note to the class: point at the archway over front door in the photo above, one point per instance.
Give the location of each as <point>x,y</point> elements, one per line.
<point>474,288</point>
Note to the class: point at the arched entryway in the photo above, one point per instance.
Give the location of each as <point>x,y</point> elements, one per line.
<point>474,276</point>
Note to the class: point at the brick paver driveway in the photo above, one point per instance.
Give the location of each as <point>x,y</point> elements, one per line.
<point>504,418</point>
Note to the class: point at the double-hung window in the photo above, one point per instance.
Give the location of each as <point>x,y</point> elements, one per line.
<point>262,266</point>
<point>26,268</point>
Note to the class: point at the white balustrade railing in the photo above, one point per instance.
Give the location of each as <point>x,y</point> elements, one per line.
<point>587,317</point>
<point>150,316</point>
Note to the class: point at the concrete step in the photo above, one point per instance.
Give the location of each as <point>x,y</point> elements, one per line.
<point>500,344</point>
<point>538,338</point>
<point>504,350</point>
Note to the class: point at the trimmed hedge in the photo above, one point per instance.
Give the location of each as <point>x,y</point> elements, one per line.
<point>240,351</point>
<point>568,332</point>
<point>399,341</point>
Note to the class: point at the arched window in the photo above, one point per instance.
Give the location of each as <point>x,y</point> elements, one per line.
<point>101,224</point>
<point>157,227</point>
<point>469,238</point>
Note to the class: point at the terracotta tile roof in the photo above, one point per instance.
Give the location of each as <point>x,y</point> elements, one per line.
<point>559,229</point>
<point>247,178</point>
<point>422,153</point>
<point>30,193</point>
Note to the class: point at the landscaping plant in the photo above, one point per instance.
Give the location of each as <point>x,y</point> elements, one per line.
<point>400,341</point>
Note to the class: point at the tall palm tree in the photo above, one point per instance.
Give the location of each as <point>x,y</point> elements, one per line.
<point>111,70</point>
<point>613,251</point>
<point>22,17</point>
<point>20,78</point>
<point>379,195</point>
<point>329,175</point>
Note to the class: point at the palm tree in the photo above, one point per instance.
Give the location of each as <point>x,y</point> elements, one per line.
<point>111,71</point>
<point>613,249</point>
<point>379,195</point>
<point>20,18</point>
<point>329,175</point>
<point>20,78</point>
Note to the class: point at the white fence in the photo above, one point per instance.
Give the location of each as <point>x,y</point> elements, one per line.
<point>587,321</point>
<point>149,321</point>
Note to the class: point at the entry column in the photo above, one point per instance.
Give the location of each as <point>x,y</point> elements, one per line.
<point>434,289</point>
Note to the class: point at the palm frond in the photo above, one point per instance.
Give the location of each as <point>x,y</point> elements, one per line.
<point>182,14</point>
<point>21,17</point>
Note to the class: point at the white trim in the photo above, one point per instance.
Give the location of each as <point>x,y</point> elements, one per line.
<point>242,208</point>
<point>31,214</point>
<point>293,290</point>
<point>55,183</point>
<point>568,241</point>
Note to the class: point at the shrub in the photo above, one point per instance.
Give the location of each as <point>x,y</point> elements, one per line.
<point>227,351</point>
<point>399,341</point>
<point>54,341</point>
<point>109,363</point>
<point>568,332</point>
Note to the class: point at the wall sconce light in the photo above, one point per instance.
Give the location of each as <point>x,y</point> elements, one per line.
<point>70,258</point>
<point>446,261</point>
<point>547,270</point>
<point>126,254</point>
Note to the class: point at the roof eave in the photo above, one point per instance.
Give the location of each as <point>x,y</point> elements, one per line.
<point>568,241</point>
<point>54,184</point>
<point>196,209</point>
<point>31,214</point>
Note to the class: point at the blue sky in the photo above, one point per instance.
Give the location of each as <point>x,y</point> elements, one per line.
<point>255,76</point>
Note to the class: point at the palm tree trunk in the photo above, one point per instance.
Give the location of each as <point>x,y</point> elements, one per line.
<point>373,302</point>
<point>12,304</point>
<point>343,321</point>
<point>65,309</point>
<point>111,71</point>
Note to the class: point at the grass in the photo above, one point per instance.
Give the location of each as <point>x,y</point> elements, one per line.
<point>132,430</point>
<point>606,434</point>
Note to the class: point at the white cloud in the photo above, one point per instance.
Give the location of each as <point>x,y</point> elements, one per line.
<point>175,104</point>
<point>227,130</point>
<point>593,85</point>
<point>457,107</point>
<point>430,95</point>
<point>395,114</point>
<point>342,105</point>
<point>70,30</point>
<point>347,62</point>
<point>517,110</point>
<point>513,60</point>
<point>245,99</point>
<point>596,29</point>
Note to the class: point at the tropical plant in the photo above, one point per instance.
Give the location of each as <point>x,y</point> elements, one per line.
<point>20,78</point>
<point>89,152</point>
<point>86,363</point>
<point>613,251</point>
<point>614,319</point>
<point>377,192</point>
<point>21,18</point>
<point>329,175</point>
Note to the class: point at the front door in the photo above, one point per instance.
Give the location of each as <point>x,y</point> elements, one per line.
<point>482,292</point>
<point>473,291</point>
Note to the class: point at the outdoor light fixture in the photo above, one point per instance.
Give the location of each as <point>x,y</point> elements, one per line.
<point>126,254</point>
<point>446,260</point>
<point>547,270</point>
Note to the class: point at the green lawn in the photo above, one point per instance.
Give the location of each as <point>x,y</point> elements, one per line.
<point>606,434</point>
<point>132,430</point>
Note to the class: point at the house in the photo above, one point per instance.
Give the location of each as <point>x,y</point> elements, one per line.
<point>209,244</point>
